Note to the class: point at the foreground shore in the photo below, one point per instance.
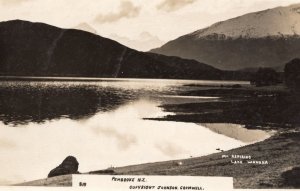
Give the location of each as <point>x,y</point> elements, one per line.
<point>272,163</point>
<point>280,151</point>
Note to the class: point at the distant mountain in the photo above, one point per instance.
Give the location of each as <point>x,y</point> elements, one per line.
<point>85,27</point>
<point>144,42</point>
<point>267,38</point>
<point>37,49</point>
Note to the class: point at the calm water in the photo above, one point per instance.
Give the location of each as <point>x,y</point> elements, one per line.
<point>101,123</point>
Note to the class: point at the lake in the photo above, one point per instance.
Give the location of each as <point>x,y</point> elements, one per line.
<point>102,123</point>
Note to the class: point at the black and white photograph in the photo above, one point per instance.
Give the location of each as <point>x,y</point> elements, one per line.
<point>142,92</point>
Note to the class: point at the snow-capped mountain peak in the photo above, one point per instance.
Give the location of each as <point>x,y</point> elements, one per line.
<point>280,21</point>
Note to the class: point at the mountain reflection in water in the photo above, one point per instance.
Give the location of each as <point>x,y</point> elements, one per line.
<point>29,104</point>
<point>38,101</point>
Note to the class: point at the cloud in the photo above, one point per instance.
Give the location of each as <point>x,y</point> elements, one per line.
<point>169,149</point>
<point>173,5</point>
<point>12,2</point>
<point>126,10</point>
<point>5,144</point>
<point>124,140</point>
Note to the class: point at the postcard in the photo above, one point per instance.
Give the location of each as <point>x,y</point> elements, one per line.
<point>149,95</point>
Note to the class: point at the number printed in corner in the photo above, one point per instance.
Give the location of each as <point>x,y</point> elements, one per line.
<point>82,184</point>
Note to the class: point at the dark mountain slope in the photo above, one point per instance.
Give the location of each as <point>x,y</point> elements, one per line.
<point>37,49</point>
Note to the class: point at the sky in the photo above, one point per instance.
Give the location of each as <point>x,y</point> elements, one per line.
<point>139,24</point>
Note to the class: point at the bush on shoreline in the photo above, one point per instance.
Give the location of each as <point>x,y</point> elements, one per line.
<point>265,77</point>
<point>292,74</point>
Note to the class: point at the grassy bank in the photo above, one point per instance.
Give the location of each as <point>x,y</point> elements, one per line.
<point>281,151</point>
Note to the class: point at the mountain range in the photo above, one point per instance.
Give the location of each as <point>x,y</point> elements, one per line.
<point>267,38</point>
<point>37,49</point>
<point>230,49</point>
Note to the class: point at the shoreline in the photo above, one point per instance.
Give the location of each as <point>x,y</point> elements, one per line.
<point>278,150</point>
<point>89,79</point>
<point>278,154</point>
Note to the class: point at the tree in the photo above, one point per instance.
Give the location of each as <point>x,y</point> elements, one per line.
<point>265,77</point>
<point>292,74</point>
